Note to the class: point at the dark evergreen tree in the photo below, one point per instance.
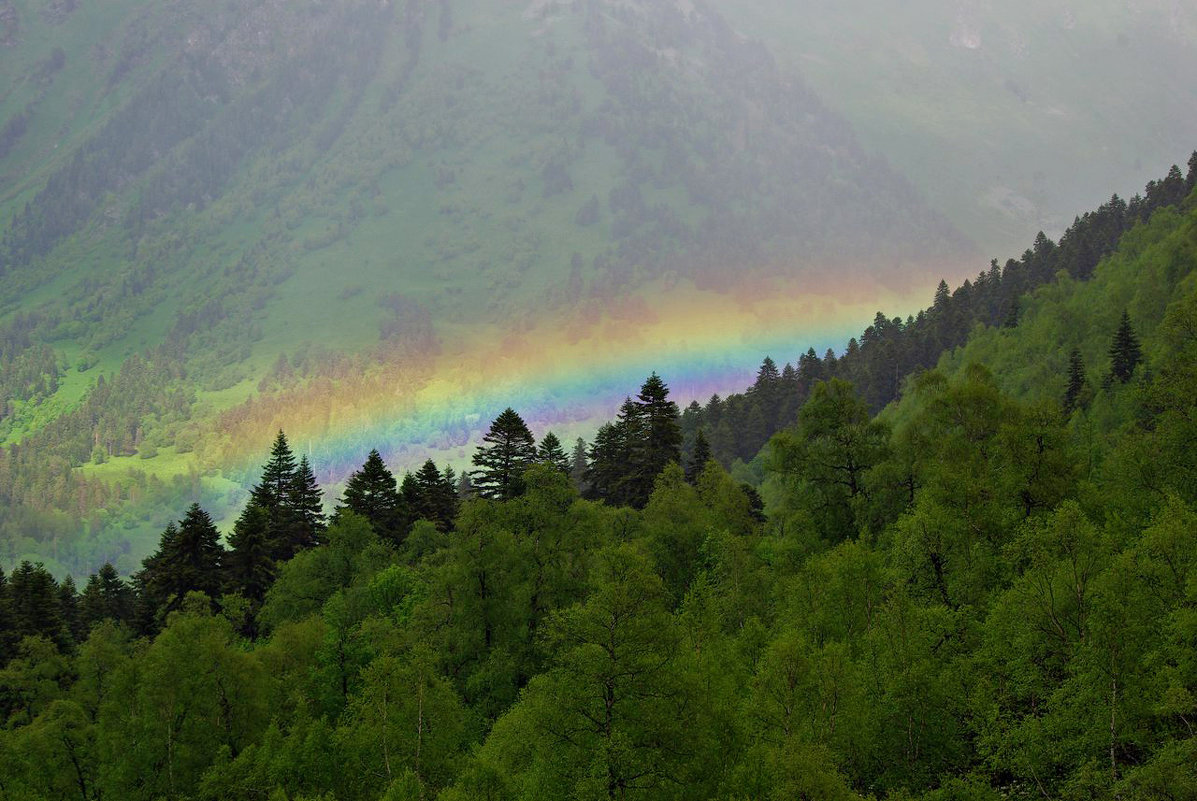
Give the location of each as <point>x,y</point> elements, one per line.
<point>606,464</point>
<point>510,450</point>
<point>7,627</point>
<point>305,503</point>
<point>943,296</point>
<point>1076,380</point>
<point>409,489</point>
<point>1125,351</point>
<point>658,441</point>
<point>552,454</point>
<point>372,493</point>
<point>278,478</point>
<point>699,456</point>
<point>273,494</point>
<point>465,487</point>
<point>189,558</point>
<point>68,603</point>
<point>579,465</point>
<point>434,495</point>
<point>106,597</point>
<point>249,566</point>
<point>36,610</point>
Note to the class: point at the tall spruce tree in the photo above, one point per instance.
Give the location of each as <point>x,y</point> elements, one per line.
<point>273,494</point>
<point>699,456</point>
<point>658,441</point>
<point>607,464</point>
<point>68,603</point>
<point>189,558</point>
<point>278,477</point>
<point>106,597</point>
<point>307,509</point>
<point>578,466</point>
<point>552,454</point>
<point>36,611</point>
<point>373,493</point>
<point>8,634</point>
<point>434,495</point>
<point>250,569</point>
<point>1076,380</point>
<point>510,450</point>
<point>1125,351</point>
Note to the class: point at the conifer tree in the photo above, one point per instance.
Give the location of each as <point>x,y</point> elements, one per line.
<point>433,495</point>
<point>372,493</point>
<point>607,464</point>
<point>1076,380</point>
<point>273,494</point>
<point>7,629</point>
<point>578,466</point>
<point>409,490</point>
<point>465,487</point>
<point>659,440</point>
<point>1125,352</point>
<point>106,597</point>
<point>189,558</point>
<point>278,478</point>
<point>36,610</point>
<point>552,454</point>
<point>306,510</point>
<point>698,457</point>
<point>249,567</point>
<point>68,603</point>
<point>943,295</point>
<point>510,450</point>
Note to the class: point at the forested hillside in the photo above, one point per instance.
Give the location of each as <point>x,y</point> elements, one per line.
<point>204,205</point>
<point>985,591</point>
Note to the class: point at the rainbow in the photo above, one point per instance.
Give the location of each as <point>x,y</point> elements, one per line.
<point>561,372</point>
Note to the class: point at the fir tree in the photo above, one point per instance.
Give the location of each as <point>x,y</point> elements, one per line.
<point>1076,380</point>
<point>435,495</point>
<point>106,597</point>
<point>189,558</point>
<point>249,566</point>
<point>579,465</point>
<point>274,493</point>
<point>278,478</point>
<point>659,440</point>
<point>372,493</point>
<point>8,634</point>
<point>943,295</point>
<point>68,603</point>
<point>305,503</point>
<point>1125,352</point>
<point>510,450</point>
<point>409,490</point>
<point>36,611</point>
<point>699,457</point>
<point>607,464</point>
<point>552,454</point>
<point>465,488</point>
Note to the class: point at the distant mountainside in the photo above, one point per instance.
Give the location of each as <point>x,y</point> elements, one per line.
<point>1010,116</point>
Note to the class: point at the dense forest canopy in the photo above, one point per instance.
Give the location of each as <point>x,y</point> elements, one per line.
<point>987,590</point>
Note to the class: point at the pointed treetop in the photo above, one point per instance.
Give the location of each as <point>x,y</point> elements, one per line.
<point>509,451</point>
<point>552,454</point>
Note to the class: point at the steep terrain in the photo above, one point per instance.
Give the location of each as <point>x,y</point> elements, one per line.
<point>1011,115</point>
<point>301,206</point>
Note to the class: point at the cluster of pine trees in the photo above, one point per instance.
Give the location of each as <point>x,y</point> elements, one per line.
<point>890,349</point>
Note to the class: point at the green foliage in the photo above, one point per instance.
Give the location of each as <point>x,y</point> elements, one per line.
<point>509,450</point>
